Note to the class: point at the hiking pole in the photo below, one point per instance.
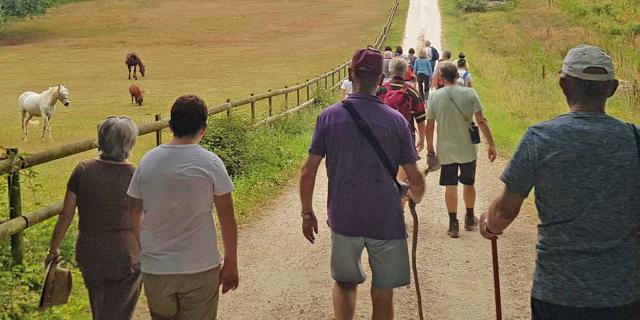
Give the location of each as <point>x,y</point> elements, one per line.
<point>496,277</point>
<point>414,246</point>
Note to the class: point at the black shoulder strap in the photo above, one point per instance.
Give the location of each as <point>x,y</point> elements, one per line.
<point>365,129</point>
<point>637,136</point>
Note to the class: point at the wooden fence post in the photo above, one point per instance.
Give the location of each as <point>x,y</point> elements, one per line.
<point>286,99</point>
<point>15,208</point>
<point>333,79</point>
<point>270,105</point>
<point>544,72</point>
<point>159,132</point>
<point>325,82</point>
<point>307,82</point>
<point>229,110</point>
<point>253,109</point>
<point>297,95</point>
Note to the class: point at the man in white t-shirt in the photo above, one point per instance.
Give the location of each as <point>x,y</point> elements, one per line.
<point>172,195</point>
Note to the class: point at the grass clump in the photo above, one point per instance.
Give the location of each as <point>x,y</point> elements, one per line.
<point>472,5</point>
<point>227,137</point>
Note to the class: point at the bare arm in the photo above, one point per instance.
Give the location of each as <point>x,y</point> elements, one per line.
<point>307,184</point>
<point>65,218</point>
<point>136,214</point>
<point>343,94</point>
<point>501,213</point>
<point>431,126</point>
<point>229,273</point>
<point>421,126</point>
<point>416,181</point>
<point>486,132</point>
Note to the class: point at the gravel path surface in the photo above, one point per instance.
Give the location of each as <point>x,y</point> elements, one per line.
<point>285,277</point>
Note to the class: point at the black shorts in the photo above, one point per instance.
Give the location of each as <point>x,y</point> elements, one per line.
<point>541,310</point>
<point>449,174</point>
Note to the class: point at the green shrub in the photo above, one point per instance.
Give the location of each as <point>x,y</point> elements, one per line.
<point>227,137</point>
<point>471,5</point>
<point>26,8</point>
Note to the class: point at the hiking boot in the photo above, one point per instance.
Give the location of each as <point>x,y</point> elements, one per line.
<point>470,223</point>
<point>454,229</point>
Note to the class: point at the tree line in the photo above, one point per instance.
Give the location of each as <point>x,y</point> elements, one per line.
<point>25,8</point>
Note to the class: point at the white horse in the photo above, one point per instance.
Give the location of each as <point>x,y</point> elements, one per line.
<point>41,105</point>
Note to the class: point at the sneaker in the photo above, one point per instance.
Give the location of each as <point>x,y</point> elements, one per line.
<point>454,229</point>
<point>470,223</point>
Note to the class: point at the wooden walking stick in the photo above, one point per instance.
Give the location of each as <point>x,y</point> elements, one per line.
<point>496,277</point>
<point>414,246</point>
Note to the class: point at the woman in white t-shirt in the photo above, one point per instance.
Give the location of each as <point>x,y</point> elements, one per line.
<point>346,88</point>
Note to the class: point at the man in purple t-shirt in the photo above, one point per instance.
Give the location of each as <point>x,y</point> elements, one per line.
<point>364,205</point>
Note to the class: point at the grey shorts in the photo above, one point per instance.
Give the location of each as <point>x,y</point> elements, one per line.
<point>388,259</point>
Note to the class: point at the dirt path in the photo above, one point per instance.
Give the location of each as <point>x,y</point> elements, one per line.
<point>285,277</point>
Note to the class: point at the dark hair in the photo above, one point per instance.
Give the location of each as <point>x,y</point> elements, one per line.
<point>188,116</point>
<point>462,63</point>
<point>412,51</point>
<point>387,48</point>
<point>461,55</point>
<point>587,92</point>
<point>398,50</point>
<point>446,55</point>
<point>448,71</point>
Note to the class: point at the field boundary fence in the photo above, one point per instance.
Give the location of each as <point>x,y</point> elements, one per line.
<point>14,162</point>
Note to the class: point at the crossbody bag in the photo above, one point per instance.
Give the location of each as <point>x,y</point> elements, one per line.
<point>365,129</point>
<point>474,131</point>
<point>637,136</point>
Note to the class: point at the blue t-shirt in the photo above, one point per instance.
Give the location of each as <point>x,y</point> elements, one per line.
<point>586,174</point>
<point>363,199</point>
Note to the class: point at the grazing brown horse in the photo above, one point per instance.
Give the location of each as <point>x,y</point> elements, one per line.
<point>136,93</point>
<point>133,60</point>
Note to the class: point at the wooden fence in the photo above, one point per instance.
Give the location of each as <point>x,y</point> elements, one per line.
<point>11,166</point>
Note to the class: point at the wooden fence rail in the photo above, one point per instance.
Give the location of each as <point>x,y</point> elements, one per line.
<point>15,162</point>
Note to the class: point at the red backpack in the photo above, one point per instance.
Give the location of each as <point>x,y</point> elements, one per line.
<point>399,100</point>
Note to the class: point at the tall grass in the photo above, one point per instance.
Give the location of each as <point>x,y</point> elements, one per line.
<point>515,56</point>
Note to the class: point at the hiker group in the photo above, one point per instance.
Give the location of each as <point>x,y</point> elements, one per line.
<point>153,223</point>
<point>584,166</point>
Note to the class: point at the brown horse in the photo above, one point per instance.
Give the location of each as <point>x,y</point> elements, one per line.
<point>133,60</point>
<point>136,93</point>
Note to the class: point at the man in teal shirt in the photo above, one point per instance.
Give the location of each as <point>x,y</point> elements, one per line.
<point>585,167</point>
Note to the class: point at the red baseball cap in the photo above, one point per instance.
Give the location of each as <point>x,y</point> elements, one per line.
<point>367,62</point>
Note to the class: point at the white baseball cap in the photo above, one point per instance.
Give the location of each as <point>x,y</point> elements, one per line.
<point>580,58</point>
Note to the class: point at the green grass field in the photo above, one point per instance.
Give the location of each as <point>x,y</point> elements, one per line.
<point>223,50</point>
<point>508,49</point>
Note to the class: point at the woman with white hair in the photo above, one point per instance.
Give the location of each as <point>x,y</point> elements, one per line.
<point>387,56</point>
<point>422,68</point>
<point>107,251</point>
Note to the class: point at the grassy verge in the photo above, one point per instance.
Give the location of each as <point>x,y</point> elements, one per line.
<point>396,33</point>
<point>514,55</point>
